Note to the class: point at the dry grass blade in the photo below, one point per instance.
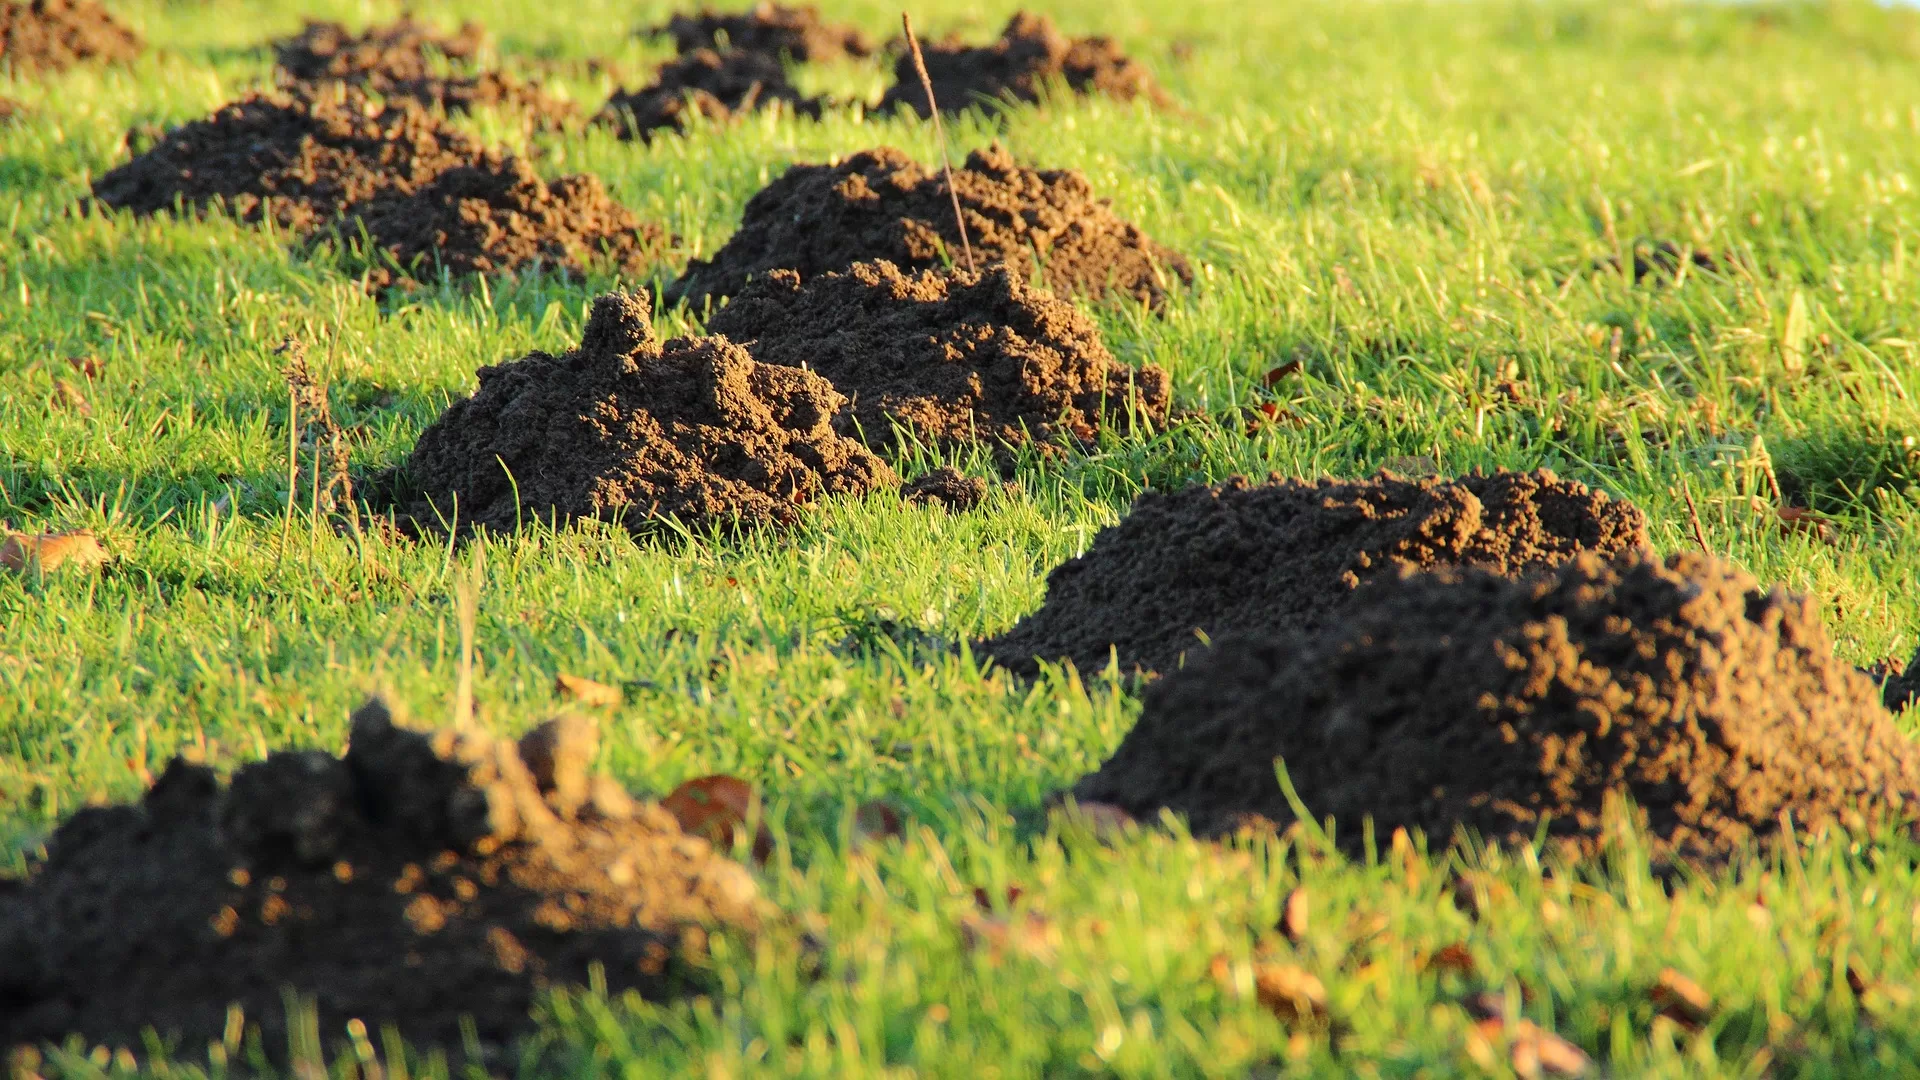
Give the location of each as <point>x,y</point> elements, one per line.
<point>939,134</point>
<point>1693,517</point>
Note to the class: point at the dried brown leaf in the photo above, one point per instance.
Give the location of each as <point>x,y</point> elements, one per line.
<point>1681,1000</point>
<point>21,553</point>
<point>586,691</point>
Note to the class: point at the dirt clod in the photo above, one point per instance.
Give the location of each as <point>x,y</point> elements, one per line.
<point>1465,698</point>
<point>1259,558</point>
<point>1030,54</point>
<point>624,426</point>
<point>54,35</point>
<point>881,204</point>
<point>774,29</point>
<point>408,59</point>
<point>1903,686</point>
<point>420,878</point>
<point>946,486</point>
<point>719,86</point>
<point>955,357</point>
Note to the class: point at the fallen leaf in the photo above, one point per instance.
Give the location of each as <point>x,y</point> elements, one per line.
<point>1682,1000</point>
<point>1290,992</point>
<point>1291,367</point>
<point>712,807</point>
<point>89,367</point>
<point>1798,519</point>
<point>68,395</point>
<point>1454,958</point>
<point>1532,1050</point>
<point>585,691</point>
<point>21,552</point>
<point>876,821</point>
<point>1293,915</point>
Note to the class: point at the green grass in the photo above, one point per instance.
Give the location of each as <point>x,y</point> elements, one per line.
<point>1409,198</point>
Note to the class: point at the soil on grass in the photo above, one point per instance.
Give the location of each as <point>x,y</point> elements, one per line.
<point>417,879</point>
<point>1243,558</point>
<point>774,29</point>
<point>882,204</point>
<point>956,358</point>
<point>1030,55</point>
<point>53,35</point>
<point>624,427</point>
<point>1902,686</point>
<point>403,59</point>
<point>1465,698</point>
<point>719,86</point>
<point>948,487</point>
<point>295,160</point>
<point>1663,261</point>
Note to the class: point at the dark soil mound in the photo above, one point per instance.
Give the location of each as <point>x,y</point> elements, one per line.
<point>623,426</point>
<point>946,486</point>
<point>1030,54</point>
<point>53,35</point>
<point>715,85</point>
<point>1261,558</point>
<point>295,160</point>
<point>955,357</point>
<point>1903,686</point>
<point>881,204</point>
<point>420,878</point>
<point>1470,699</point>
<point>403,59</point>
<point>775,29</point>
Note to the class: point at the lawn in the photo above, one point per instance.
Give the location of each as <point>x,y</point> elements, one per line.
<point>1415,201</point>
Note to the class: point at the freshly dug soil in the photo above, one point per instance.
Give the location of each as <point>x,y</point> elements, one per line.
<point>295,160</point>
<point>957,358</point>
<point>398,60</point>
<point>718,86</point>
<point>54,35</point>
<point>774,29</point>
<point>1245,558</point>
<point>624,427</point>
<point>1466,698</point>
<point>1900,689</point>
<point>946,486</point>
<point>1030,54</point>
<point>881,204</point>
<point>419,878</point>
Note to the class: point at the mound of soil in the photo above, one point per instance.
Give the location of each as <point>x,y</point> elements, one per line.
<point>774,29</point>
<point>1031,54</point>
<point>295,160</point>
<point>419,878</point>
<point>54,35</point>
<point>881,204</point>
<point>625,427</point>
<point>496,216</point>
<point>957,357</point>
<point>1466,698</point>
<point>1245,558</point>
<point>946,486</point>
<point>720,86</point>
<point>1903,686</point>
<point>399,60</point>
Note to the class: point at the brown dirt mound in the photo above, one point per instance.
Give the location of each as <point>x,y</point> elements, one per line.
<point>1903,686</point>
<point>775,29</point>
<point>298,161</point>
<point>956,357</point>
<point>1470,699</point>
<point>1030,54</point>
<point>419,878</point>
<point>881,204</point>
<point>1260,558</point>
<point>718,86</point>
<point>398,60</point>
<point>946,486</point>
<point>54,35</point>
<point>624,426</point>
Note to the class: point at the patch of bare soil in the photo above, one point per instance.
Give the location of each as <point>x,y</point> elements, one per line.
<point>624,427</point>
<point>1201,564</point>
<point>53,35</point>
<point>957,358</point>
<point>1030,54</point>
<point>719,86</point>
<point>881,204</point>
<point>420,878</point>
<point>404,59</point>
<point>948,487</point>
<point>1469,699</point>
<point>774,29</point>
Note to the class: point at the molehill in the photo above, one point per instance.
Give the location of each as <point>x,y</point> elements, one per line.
<point>720,86</point>
<point>399,60</point>
<point>774,29</point>
<point>53,35</point>
<point>1030,54</point>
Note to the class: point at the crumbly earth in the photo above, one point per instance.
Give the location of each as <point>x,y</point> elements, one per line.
<point>774,29</point>
<point>1246,558</point>
<point>1465,699</point>
<point>956,358</point>
<point>53,35</point>
<point>946,486</point>
<point>623,427</point>
<point>1902,687</point>
<point>420,878</point>
<point>399,60</point>
<point>295,160</point>
<point>882,204</point>
<point>704,83</point>
<point>1030,54</point>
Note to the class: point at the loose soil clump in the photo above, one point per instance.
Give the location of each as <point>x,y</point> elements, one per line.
<point>720,86</point>
<point>399,60</point>
<point>417,879</point>
<point>1902,686</point>
<point>882,204</point>
<point>624,427</point>
<point>1469,699</point>
<point>774,29</point>
<point>1031,54</point>
<point>948,487</point>
<point>1242,558</point>
<point>53,35</point>
<point>956,358</point>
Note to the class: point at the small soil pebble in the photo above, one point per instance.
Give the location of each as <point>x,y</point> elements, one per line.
<point>717,86</point>
<point>403,59</point>
<point>1031,54</point>
<point>53,35</point>
<point>623,427</point>
<point>956,358</point>
<point>1901,687</point>
<point>1260,558</point>
<point>1663,260</point>
<point>946,486</point>
<point>422,878</point>
<point>774,29</point>
<point>882,204</point>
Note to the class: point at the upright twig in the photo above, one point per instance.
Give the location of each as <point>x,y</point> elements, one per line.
<point>466,607</point>
<point>939,135</point>
<point>1693,517</point>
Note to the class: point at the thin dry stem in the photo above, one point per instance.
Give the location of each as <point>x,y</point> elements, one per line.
<point>939,135</point>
